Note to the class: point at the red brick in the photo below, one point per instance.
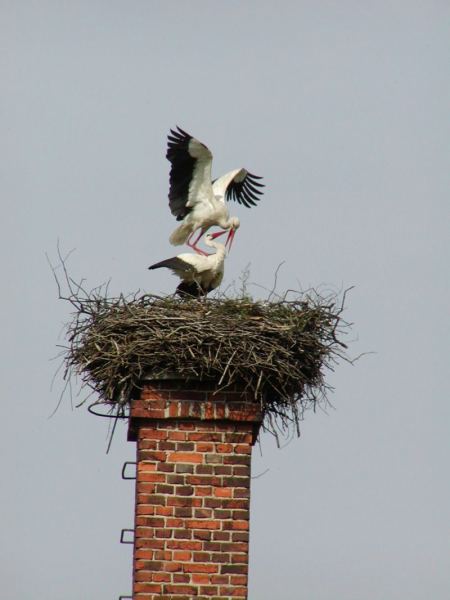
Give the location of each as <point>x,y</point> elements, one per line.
<point>145,575</point>
<point>182,555</point>
<point>241,493</point>
<point>223,492</point>
<point>202,534</point>
<point>155,434</point>
<point>205,437</point>
<point>208,590</point>
<point>240,536</point>
<point>204,447</point>
<point>176,523</point>
<point>220,579</point>
<point>145,553</point>
<point>200,578</point>
<point>146,466</point>
<point>239,525</point>
<point>240,592</point>
<point>185,490</point>
<point>224,448</point>
<point>239,579</point>
<point>162,533</point>
<point>152,477</point>
<point>203,513</point>
<point>202,524</point>
<point>239,558</point>
<point>180,578</point>
<point>145,509</point>
<point>163,467</point>
<point>179,589</point>
<point>173,566</point>
<point>180,511</point>
<point>176,435</point>
<point>220,557</point>
<point>164,445</point>
<point>239,569</point>
<point>223,470</point>
<point>184,468</point>
<point>176,479</point>
<point>185,457</point>
<point>212,546</point>
<point>184,545</point>
<point>200,568</point>
<point>203,480</point>
<point>163,555</point>
<point>145,487</point>
<point>221,535</point>
<point>149,521</point>
<point>148,587</point>
<point>163,488</point>
<point>161,577</point>
<point>155,455</point>
<point>202,557</point>
<point>182,534</point>
<point>203,491</point>
<point>184,501</point>
<point>243,449</point>
<point>165,511</point>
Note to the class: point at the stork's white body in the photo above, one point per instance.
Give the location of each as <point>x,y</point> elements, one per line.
<point>205,272</point>
<point>207,204</point>
<point>196,200</point>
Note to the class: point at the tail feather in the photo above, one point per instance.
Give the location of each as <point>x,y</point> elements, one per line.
<point>180,235</point>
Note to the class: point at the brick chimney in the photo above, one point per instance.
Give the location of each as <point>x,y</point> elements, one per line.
<point>192,490</point>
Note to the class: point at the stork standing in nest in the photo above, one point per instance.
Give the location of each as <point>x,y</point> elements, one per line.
<point>199,273</point>
<point>196,200</point>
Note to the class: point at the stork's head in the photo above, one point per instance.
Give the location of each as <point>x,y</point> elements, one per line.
<point>234,224</point>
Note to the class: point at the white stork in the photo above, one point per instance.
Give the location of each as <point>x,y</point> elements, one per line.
<point>196,200</point>
<point>199,273</point>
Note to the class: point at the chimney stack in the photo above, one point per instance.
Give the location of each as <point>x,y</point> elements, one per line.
<point>192,490</point>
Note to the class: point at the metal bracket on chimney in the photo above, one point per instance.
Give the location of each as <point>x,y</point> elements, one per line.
<point>125,597</point>
<point>124,468</point>
<point>122,536</point>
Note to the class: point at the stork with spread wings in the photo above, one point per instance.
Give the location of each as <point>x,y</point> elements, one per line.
<point>197,201</point>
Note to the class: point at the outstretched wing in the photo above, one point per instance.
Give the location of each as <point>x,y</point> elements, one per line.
<point>244,188</point>
<point>191,170</point>
<point>177,265</point>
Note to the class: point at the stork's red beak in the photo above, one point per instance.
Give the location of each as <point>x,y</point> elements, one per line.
<point>218,234</point>
<point>230,238</point>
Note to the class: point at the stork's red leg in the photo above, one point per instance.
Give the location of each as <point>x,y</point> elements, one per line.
<point>194,245</point>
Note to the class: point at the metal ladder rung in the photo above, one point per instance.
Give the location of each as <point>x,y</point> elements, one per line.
<point>122,536</point>
<point>124,470</point>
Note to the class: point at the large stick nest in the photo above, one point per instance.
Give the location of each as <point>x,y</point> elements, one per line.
<point>279,350</point>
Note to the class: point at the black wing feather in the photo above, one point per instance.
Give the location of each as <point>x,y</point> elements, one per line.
<point>245,192</point>
<point>174,263</point>
<point>190,290</point>
<point>183,165</point>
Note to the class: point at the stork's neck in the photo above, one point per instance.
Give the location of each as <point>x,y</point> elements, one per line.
<point>219,255</point>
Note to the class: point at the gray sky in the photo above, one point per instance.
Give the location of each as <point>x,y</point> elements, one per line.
<point>343,108</point>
